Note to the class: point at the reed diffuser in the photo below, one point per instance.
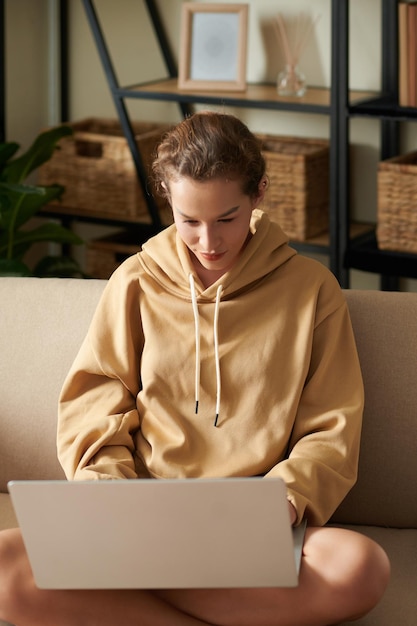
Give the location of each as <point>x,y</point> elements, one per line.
<point>293,36</point>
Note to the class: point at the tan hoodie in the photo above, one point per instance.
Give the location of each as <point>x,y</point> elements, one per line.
<point>283,374</point>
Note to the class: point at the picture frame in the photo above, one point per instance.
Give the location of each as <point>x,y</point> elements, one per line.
<point>213,46</point>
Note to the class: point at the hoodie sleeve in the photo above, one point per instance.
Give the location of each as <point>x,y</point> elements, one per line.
<point>322,461</point>
<point>97,413</point>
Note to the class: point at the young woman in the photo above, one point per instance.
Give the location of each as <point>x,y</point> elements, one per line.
<point>216,351</point>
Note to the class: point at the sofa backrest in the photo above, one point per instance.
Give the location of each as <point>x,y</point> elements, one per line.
<point>385,326</point>
<point>43,322</point>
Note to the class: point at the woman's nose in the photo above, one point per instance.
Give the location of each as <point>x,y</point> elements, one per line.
<point>208,239</point>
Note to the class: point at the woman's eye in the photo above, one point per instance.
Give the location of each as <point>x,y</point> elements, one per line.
<point>226,220</point>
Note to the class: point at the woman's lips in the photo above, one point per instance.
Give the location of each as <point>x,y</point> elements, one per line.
<point>212,257</point>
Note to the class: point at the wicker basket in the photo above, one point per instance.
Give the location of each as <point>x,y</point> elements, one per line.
<point>96,168</point>
<point>298,193</point>
<point>397,204</point>
<point>105,254</point>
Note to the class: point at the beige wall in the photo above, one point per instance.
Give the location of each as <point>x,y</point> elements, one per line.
<point>26,68</point>
<point>30,66</point>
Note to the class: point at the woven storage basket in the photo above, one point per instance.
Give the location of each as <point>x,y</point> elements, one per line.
<point>105,254</point>
<point>397,204</point>
<point>96,168</point>
<point>298,193</point>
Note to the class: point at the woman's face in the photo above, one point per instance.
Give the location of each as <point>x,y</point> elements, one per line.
<point>212,219</point>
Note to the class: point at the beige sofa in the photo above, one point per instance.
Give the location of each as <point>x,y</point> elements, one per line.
<point>44,320</point>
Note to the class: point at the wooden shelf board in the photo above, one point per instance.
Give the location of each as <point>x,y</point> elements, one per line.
<point>62,212</point>
<point>314,96</point>
<point>323,239</point>
<point>256,92</point>
<point>58,211</point>
<point>365,255</point>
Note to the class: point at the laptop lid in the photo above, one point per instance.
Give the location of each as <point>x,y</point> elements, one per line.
<point>150,534</point>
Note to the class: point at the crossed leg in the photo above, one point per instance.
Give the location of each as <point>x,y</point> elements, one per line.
<point>343,576</point>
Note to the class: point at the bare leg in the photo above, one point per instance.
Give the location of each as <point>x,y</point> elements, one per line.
<point>23,604</point>
<point>343,576</point>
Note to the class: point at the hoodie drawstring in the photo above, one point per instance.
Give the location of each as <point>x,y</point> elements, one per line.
<point>198,343</point>
<point>216,351</point>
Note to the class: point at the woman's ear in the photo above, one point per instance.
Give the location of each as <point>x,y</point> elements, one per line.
<point>262,187</point>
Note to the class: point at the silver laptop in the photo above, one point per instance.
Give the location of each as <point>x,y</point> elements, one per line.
<point>158,534</point>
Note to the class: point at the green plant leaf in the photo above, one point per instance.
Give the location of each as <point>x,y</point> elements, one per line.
<point>13,267</point>
<point>7,188</point>
<point>29,202</point>
<point>41,150</point>
<point>19,202</point>
<point>7,151</point>
<point>45,232</point>
<point>58,266</point>
<point>49,232</point>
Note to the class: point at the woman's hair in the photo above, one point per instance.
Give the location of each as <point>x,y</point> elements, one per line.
<point>209,145</point>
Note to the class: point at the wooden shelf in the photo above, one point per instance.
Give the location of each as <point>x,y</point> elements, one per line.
<point>319,243</point>
<point>356,230</point>
<point>365,255</point>
<point>253,93</point>
<point>63,212</point>
<point>262,96</point>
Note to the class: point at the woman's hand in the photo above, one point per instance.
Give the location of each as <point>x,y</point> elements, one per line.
<point>293,513</point>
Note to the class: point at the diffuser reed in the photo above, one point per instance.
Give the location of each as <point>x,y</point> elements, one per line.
<point>293,36</point>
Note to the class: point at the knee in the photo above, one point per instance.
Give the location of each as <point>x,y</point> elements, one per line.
<point>353,570</point>
<point>376,572</point>
<point>369,576</point>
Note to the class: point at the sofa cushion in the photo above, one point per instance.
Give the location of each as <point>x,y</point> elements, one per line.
<point>385,326</point>
<point>42,326</point>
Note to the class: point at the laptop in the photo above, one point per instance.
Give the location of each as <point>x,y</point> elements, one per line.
<point>158,534</point>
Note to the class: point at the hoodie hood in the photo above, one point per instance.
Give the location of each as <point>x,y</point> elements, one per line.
<point>167,259</point>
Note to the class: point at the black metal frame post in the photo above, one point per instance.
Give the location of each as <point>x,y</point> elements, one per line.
<point>2,73</point>
<point>389,80</point>
<point>165,49</point>
<point>64,60</point>
<point>389,76</point>
<point>121,109</point>
<point>339,154</point>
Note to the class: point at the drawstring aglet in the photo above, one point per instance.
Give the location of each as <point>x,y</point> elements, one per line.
<point>216,420</point>
<point>196,407</point>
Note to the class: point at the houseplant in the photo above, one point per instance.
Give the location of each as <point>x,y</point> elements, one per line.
<point>20,201</point>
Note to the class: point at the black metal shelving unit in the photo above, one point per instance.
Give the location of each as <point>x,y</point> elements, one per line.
<point>363,253</point>
<point>326,102</point>
<point>346,248</point>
